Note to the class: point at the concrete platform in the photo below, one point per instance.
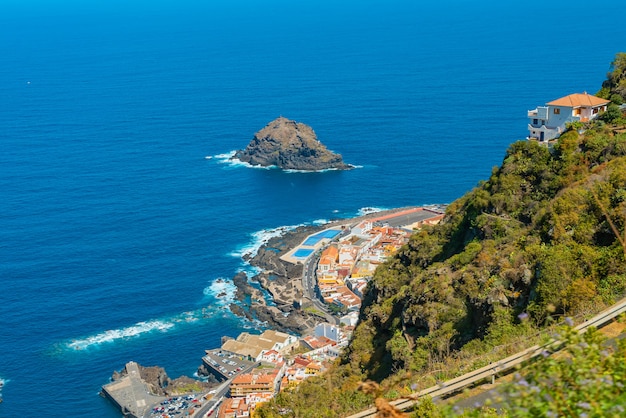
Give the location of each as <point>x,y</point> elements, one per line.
<point>131,394</point>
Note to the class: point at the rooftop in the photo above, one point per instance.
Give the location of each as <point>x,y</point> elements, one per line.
<point>579,100</point>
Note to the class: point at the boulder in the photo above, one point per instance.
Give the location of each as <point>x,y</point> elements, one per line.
<point>290,145</point>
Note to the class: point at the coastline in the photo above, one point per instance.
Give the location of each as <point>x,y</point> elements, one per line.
<point>286,296</point>
<point>288,308</point>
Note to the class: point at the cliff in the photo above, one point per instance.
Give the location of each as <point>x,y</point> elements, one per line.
<point>290,145</point>
<point>541,240</point>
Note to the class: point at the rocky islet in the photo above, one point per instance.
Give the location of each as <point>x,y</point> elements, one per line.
<point>290,145</point>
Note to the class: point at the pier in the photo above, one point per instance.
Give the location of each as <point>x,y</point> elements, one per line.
<point>131,394</point>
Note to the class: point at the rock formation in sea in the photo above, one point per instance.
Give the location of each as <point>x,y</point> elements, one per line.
<point>290,145</point>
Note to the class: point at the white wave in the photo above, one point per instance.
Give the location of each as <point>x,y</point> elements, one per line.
<point>352,166</point>
<point>316,171</point>
<point>261,238</point>
<point>222,290</point>
<point>191,316</point>
<point>208,157</point>
<point>368,210</point>
<point>3,382</point>
<point>320,222</point>
<point>227,158</point>
<point>291,170</point>
<point>238,162</point>
<point>224,158</point>
<point>249,269</point>
<point>110,336</point>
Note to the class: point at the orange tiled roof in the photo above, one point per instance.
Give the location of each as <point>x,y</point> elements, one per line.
<point>243,379</point>
<point>314,365</point>
<point>265,378</point>
<point>579,100</point>
<point>331,252</point>
<point>301,361</point>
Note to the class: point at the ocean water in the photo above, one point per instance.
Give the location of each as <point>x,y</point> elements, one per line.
<point>114,227</point>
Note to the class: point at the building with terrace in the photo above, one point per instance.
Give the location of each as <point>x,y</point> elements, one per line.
<point>253,346</point>
<point>550,121</point>
<point>256,382</point>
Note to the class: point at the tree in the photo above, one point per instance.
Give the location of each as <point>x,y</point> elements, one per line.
<point>616,78</point>
<point>613,113</point>
<point>586,379</point>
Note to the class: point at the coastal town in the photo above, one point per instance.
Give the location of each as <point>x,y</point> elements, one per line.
<point>338,262</point>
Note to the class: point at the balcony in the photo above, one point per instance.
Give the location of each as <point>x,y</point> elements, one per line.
<point>540,113</point>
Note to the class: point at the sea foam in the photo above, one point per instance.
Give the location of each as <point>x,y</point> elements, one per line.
<point>261,238</point>
<point>222,290</point>
<point>320,171</point>
<point>227,158</point>
<point>3,382</point>
<point>368,210</point>
<point>113,335</point>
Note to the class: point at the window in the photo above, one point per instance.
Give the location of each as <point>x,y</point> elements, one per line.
<point>535,121</point>
<point>577,111</point>
<point>595,110</point>
<point>557,111</point>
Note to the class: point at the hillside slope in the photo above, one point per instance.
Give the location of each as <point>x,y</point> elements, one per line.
<point>542,239</point>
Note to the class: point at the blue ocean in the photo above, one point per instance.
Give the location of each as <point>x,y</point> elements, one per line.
<point>120,211</point>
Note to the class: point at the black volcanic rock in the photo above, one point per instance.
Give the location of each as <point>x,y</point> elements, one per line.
<point>291,146</point>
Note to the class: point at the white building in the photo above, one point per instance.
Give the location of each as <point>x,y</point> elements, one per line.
<point>350,319</point>
<point>329,331</point>
<point>548,122</point>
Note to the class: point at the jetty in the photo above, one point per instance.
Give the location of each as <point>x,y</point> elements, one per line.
<point>131,394</point>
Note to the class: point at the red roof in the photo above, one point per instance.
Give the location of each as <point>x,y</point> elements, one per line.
<point>579,100</point>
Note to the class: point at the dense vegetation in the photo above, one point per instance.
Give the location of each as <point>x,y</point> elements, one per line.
<point>542,239</point>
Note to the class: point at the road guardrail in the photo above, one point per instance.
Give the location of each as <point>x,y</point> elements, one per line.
<point>454,385</point>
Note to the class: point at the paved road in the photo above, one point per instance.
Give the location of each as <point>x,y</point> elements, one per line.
<point>309,282</point>
<point>409,218</point>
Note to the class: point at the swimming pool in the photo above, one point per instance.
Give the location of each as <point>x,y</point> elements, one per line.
<point>302,252</point>
<point>314,239</point>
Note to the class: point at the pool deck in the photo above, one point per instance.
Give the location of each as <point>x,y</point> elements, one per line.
<point>318,239</point>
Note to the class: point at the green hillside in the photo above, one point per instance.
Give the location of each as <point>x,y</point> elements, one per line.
<point>542,239</point>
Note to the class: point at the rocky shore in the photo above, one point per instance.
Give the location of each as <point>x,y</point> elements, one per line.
<point>274,295</point>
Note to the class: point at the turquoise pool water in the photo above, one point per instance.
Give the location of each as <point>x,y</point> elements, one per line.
<point>314,239</point>
<point>302,253</point>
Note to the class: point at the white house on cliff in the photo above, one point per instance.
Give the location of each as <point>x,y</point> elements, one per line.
<point>548,122</point>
